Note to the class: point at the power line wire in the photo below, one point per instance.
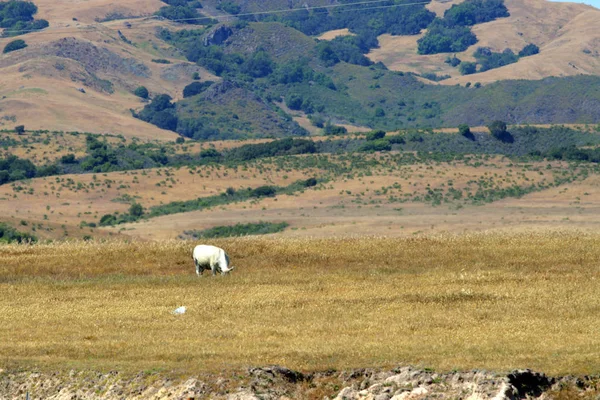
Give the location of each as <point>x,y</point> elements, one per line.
<point>307,9</point>
<point>92,27</point>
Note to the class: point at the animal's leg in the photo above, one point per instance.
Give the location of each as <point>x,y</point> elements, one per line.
<point>198,270</point>
<point>213,268</point>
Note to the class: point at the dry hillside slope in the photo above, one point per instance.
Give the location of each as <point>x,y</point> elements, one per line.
<point>41,85</point>
<point>568,35</point>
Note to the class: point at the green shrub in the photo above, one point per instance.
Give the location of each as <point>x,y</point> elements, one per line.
<point>142,92</point>
<point>136,210</point>
<point>453,61</point>
<point>229,7</point>
<point>271,149</point>
<point>467,68</point>
<point>8,234</point>
<point>331,129</point>
<point>376,145</point>
<point>259,228</point>
<point>498,130</point>
<point>465,131</point>
<point>529,50</point>
<point>441,38</point>
<point>16,17</point>
<point>490,60</point>
<point>183,13</point>
<point>294,101</point>
<point>375,135</point>
<point>396,139</point>
<point>14,45</point>
<point>195,88</point>
<point>68,159</point>
<point>264,191</point>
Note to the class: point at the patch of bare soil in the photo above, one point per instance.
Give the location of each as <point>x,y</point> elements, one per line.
<point>330,35</point>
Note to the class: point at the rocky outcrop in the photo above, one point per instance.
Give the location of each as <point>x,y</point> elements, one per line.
<point>280,383</point>
<point>408,383</point>
<point>217,35</point>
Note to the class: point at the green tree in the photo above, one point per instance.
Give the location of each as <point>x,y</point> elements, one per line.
<point>14,45</point>
<point>142,92</point>
<point>20,129</point>
<point>453,61</point>
<point>258,65</point>
<point>465,131</point>
<point>467,68</point>
<point>529,50</point>
<point>195,88</point>
<point>498,130</point>
<point>136,210</point>
<point>294,101</point>
<point>375,135</point>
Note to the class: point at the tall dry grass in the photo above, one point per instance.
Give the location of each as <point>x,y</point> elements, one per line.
<point>494,301</point>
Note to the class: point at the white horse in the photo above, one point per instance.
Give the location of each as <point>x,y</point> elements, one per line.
<point>211,257</point>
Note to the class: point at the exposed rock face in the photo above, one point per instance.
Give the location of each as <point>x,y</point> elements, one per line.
<point>217,35</point>
<point>410,384</point>
<point>279,383</point>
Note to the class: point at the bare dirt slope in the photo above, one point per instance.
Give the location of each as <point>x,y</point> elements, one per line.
<point>567,34</point>
<point>41,84</point>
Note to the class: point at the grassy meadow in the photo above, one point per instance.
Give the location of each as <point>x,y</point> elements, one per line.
<point>494,301</point>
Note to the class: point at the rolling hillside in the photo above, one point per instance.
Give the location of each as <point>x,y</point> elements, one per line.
<point>80,73</point>
<point>568,35</point>
<point>41,83</point>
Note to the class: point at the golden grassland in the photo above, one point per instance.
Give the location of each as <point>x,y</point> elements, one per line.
<point>493,301</point>
<point>378,195</point>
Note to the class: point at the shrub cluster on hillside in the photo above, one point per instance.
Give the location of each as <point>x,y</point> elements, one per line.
<point>184,11</point>
<point>364,20</point>
<point>16,17</point>
<point>8,234</point>
<point>14,45</point>
<point>487,59</point>
<point>229,196</point>
<point>453,33</point>
<point>160,112</point>
<point>257,228</point>
<point>195,88</point>
<point>13,168</point>
<point>272,149</point>
<point>135,212</point>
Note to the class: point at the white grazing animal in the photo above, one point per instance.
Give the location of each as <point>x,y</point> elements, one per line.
<point>211,257</point>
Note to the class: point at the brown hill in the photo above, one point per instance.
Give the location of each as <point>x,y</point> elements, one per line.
<point>567,34</point>
<point>79,74</point>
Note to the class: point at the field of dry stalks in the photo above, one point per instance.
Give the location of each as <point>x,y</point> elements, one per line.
<point>495,301</point>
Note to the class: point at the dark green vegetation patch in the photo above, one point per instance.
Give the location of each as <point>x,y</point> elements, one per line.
<point>257,228</point>
<point>8,234</point>
<point>14,45</point>
<point>16,18</point>
<point>260,73</point>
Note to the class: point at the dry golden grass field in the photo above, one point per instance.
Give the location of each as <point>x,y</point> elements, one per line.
<point>389,194</point>
<point>493,301</point>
